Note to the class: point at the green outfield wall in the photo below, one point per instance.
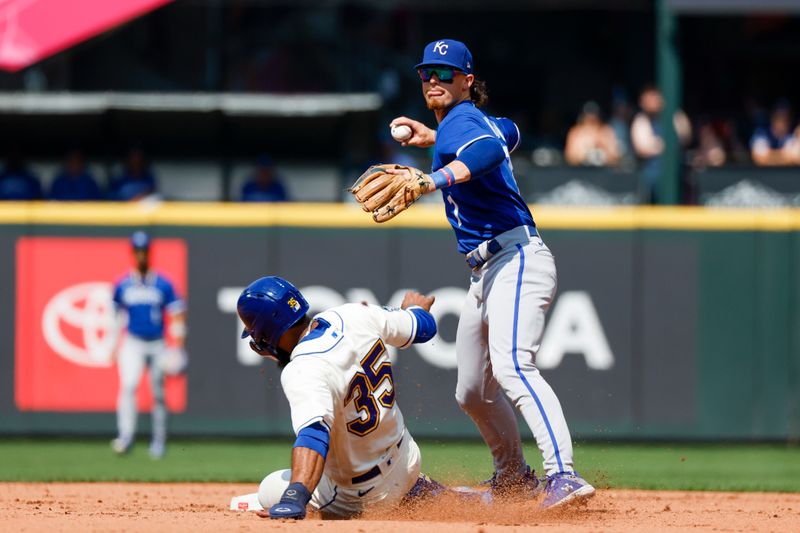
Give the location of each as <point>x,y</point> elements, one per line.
<point>668,323</point>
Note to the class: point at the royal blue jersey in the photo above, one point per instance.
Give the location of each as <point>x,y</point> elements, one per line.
<point>489,204</point>
<point>145,300</point>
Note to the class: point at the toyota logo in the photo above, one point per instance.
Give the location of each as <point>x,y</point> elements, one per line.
<point>77,321</point>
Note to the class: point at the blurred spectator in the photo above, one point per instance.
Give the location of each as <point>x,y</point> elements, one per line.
<point>648,139</point>
<point>264,185</point>
<point>736,151</point>
<point>775,145</point>
<point>74,183</point>
<point>710,148</point>
<point>590,141</point>
<point>620,122</point>
<point>17,182</point>
<point>136,180</point>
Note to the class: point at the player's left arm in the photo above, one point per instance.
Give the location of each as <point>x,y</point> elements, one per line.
<point>177,327</point>
<point>472,146</point>
<point>176,308</point>
<point>477,159</point>
<point>478,150</point>
<point>411,324</point>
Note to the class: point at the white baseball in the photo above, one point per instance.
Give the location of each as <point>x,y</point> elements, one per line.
<point>401,133</point>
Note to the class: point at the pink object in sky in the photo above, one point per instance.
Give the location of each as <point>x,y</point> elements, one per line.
<point>31,30</point>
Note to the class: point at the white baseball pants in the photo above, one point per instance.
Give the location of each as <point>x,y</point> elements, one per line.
<point>134,354</point>
<point>399,472</point>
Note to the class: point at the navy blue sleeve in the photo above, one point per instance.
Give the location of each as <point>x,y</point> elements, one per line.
<point>315,437</point>
<point>482,156</point>
<point>426,325</point>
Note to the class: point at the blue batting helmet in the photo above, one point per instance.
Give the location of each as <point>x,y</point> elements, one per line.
<point>269,307</point>
<point>140,240</point>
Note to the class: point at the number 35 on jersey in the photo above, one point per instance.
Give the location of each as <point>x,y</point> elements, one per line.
<point>370,388</point>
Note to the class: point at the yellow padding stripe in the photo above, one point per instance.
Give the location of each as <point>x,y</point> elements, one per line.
<point>419,216</point>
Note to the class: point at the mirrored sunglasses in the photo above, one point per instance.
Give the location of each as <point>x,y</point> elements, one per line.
<point>444,74</point>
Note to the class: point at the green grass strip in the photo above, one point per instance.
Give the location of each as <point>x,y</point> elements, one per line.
<point>736,467</point>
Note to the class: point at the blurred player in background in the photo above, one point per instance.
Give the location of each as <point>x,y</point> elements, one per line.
<point>142,297</point>
<point>513,277</point>
<point>353,450</point>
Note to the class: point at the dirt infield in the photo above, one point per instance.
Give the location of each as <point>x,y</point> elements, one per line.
<point>203,507</point>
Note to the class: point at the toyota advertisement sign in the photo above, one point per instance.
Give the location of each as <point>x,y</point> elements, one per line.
<point>61,376</point>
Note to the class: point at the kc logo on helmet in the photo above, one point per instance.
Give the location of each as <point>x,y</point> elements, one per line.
<point>64,317</point>
<point>440,48</point>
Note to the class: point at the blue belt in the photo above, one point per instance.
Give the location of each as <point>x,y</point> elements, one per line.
<point>492,247</point>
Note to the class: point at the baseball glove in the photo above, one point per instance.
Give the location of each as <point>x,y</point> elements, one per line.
<point>174,361</point>
<point>387,190</point>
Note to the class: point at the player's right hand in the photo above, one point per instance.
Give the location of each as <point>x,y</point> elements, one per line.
<point>414,298</point>
<point>422,136</point>
<point>293,502</point>
<point>287,510</point>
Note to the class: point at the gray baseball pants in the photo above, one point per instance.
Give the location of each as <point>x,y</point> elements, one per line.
<point>499,333</point>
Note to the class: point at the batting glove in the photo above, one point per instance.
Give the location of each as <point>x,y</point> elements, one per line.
<point>293,503</point>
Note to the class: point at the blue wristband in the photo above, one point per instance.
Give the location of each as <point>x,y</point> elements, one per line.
<point>293,503</point>
<point>426,325</point>
<point>296,493</point>
<point>443,177</point>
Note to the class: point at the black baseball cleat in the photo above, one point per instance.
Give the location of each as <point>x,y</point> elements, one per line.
<point>426,488</point>
<point>527,485</point>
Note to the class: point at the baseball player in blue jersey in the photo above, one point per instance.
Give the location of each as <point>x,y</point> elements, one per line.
<point>353,450</point>
<point>143,296</point>
<point>513,279</point>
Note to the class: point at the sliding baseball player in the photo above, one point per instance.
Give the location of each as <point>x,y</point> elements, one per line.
<point>353,450</point>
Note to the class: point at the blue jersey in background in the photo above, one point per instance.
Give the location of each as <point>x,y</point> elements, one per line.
<point>145,300</point>
<point>486,205</point>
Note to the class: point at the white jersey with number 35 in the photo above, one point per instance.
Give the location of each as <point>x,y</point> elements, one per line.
<point>340,375</point>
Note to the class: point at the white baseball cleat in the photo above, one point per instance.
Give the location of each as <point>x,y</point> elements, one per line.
<point>120,446</point>
<point>157,450</point>
<point>565,487</point>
